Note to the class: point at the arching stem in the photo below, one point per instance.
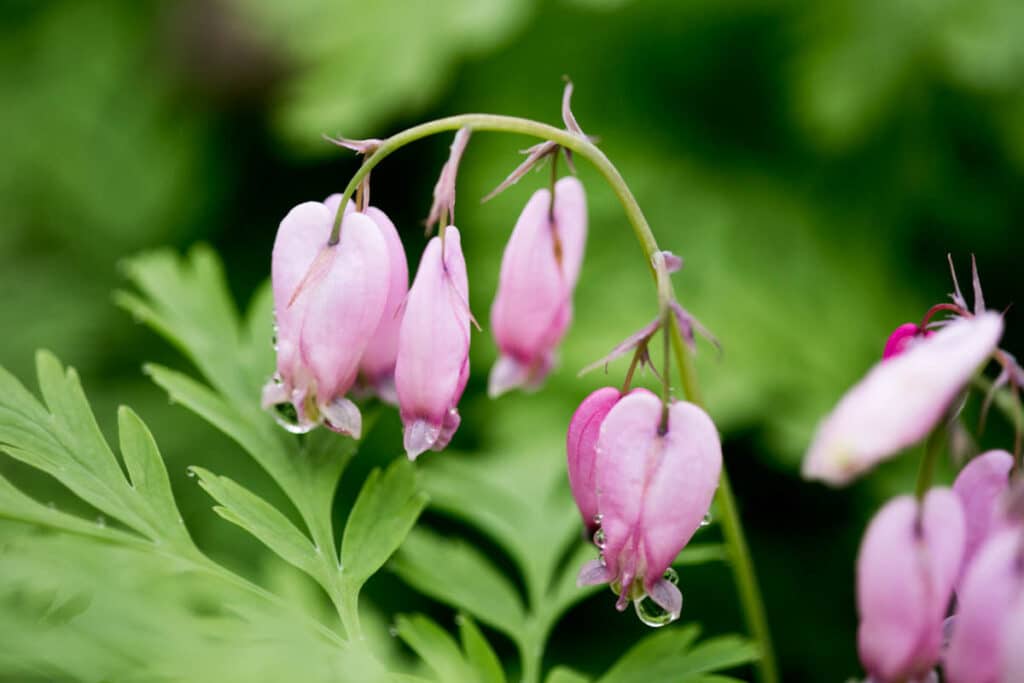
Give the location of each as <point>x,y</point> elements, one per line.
<point>743,569</point>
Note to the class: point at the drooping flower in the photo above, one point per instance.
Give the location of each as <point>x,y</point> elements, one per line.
<point>581,448</point>
<point>377,366</point>
<point>992,590</point>
<point>433,347</point>
<point>908,562</point>
<point>533,305</point>
<point>328,300</point>
<point>655,483</point>
<point>900,400</point>
<point>980,486</point>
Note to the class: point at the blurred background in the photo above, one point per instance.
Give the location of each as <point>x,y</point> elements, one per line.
<point>813,163</point>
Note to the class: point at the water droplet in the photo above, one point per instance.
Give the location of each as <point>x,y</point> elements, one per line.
<point>392,631</point>
<point>671,576</point>
<point>598,517</point>
<point>51,505</point>
<point>707,519</point>
<point>651,613</point>
<point>101,521</point>
<point>599,539</point>
<point>288,417</point>
<point>602,560</point>
<point>190,473</point>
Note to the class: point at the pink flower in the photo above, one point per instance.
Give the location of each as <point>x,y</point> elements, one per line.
<point>433,347</point>
<point>328,300</point>
<point>655,483</point>
<point>900,400</point>
<point>908,561</point>
<point>902,338</point>
<point>539,269</point>
<point>581,447</point>
<point>980,486</point>
<point>990,594</point>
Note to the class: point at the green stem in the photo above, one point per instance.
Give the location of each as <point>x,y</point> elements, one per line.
<point>732,531</point>
<point>926,472</point>
<point>750,597</point>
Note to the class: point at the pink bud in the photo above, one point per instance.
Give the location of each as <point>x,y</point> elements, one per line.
<point>581,446</point>
<point>900,400</point>
<point>654,488</point>
<point>979,486</point>
<point>990,591</point>
<point>327,302</point>
<point>903,337</point>
<point>539,269</point>
<point>905,571</point>
<point>433,347</point>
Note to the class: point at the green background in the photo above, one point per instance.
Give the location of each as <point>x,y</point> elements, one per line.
<point>813,163</point>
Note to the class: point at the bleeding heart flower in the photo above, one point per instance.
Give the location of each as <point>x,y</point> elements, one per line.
<point>328,300</point>
<point>581,447</point>
<point>657,472</point>
<point>533,305</point>
<point>980,486</point>
<point>908,562</point>
<point>433,347</point>
<point>902,338</point>
<point>991,593</point>
<point>899,402</point>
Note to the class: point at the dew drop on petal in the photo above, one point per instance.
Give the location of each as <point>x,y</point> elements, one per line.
<point>599,539</point>
<point>707,519</point>
<point>286,416</point>
<point>598,518</point>
<point>651,613</point>
<point>671,576</point>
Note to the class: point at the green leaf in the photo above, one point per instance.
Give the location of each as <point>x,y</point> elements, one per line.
<point>261,519</point>
<point>435,647</point>
<point>561,674</point>
<point>478,651</point>
<point>668,655</point>
<point>386,509</point>
<point>454,572</point>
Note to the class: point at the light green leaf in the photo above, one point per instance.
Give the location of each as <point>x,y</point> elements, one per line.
<point>435,647</point>
<point>386,509</point>
<point>561,674</point>
<point>668,655</point>
<point>261,519</point>
<point>452,571</point>
<point>479,652</point>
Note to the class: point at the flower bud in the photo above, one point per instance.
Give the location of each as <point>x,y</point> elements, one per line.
<point>433,347</point>
<point>902,338</point>
<point>327,302</point>
<point>539,269</point>
<point>900,400</point>
<point>908,561</point>
<point>990,593</point>
<point>581,447</point>
<point>655,483</point>
<point>979,486</point>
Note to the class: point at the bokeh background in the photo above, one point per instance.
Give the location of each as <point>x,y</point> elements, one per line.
<point>813,163</point>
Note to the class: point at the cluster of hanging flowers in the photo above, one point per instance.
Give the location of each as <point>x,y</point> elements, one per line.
<point>642,469</point>
<point>940,576</point>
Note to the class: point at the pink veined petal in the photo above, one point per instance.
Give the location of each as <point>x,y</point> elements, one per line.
<point>581,450</point>
<point>531,309</point>
<point>627,445</point>
<point>979,486</point>
<point>344,307</point>
<point>433,345</point>
<point>300,237</point>
<point>905,574</point>
<point>682,483</point>
<point>378,362</point>
<point>900,400</point>
<point>571,224</point>
<point>990,589</point>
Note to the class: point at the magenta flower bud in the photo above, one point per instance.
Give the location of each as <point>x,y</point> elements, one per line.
<point>908,561</point>
<point>901,338</point>
<point>533,305</point>
<point>433,347</point>
<point>980,486</point>
<point>990,593</point>
<point>327,302</point>
<point>581,447</point>
<point>655,483</point>
<point>899,402</point>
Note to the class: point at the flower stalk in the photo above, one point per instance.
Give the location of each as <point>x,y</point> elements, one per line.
<point>743,569</point>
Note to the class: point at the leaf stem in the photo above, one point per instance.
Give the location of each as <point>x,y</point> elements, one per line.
<point>926,472</point>
<point>743,570</point>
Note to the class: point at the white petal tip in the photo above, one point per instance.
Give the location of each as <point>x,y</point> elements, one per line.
<point>342,415</point>
<point>419,436</point>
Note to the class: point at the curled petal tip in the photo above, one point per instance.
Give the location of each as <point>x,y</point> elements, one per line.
<point>342,415</point>
<point>364,147</point>
<point>506,375</point>
<point>420,436</point>
<point>668,597</point>
<point>592,573</point>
